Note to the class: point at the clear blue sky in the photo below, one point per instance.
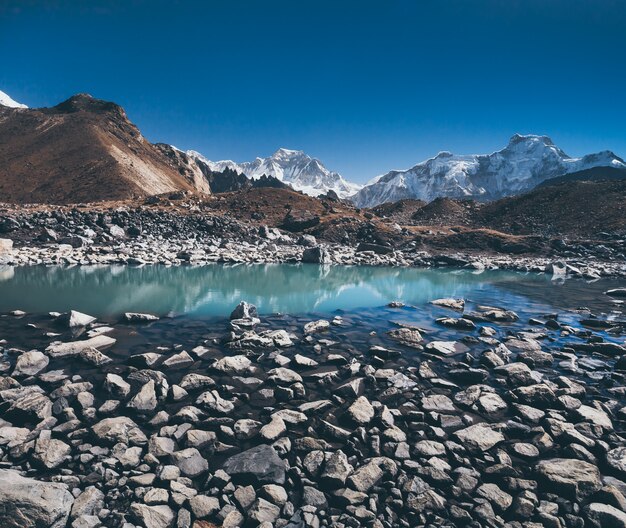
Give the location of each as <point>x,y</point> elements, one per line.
<point>364,86</point>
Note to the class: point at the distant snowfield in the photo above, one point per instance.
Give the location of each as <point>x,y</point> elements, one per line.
<point>5,100</point>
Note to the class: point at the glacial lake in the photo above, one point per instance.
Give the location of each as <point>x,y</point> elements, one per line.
<point>213,290</point>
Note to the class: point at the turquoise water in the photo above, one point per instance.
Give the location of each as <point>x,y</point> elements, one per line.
<point>107,291</point>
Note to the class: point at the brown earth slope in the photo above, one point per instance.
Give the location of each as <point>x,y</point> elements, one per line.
<point>83,150</point>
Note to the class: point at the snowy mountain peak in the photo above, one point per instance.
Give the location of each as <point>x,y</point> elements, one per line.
<point>524,163</point>
<point>5,100</point>
<point>283,153</point>
<point>294,167</point>
<point>530,139</point>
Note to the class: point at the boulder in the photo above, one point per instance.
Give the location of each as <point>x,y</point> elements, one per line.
<point>74,319</point>
<point>571,478</point>
<point>28,503</point>
<point>259,465</point>
<point>31,363</point>
<point>316,255</point>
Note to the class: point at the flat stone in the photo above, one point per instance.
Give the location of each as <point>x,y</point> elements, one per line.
<point>479,437</point>
<point>74,348</point>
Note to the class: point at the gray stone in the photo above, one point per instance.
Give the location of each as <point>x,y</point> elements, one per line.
<point>190,462</point>
<point>119,429</point>
<point>28,503</point>
<point>160,516</point>
<point>259,465</point>
<point>31,363</point>
<point>574,479</point>
<point>479,437</point>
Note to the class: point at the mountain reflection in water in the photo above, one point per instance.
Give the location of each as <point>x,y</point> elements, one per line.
<point>215,289</point>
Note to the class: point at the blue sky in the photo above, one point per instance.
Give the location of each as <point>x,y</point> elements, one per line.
<point>364,86</point>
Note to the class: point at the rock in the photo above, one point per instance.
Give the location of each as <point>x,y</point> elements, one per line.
<point>160,516</point>
<point>94,356</point>
<point>453,304</point>
<point>28,503</point>
<point>89,502</point>
<point>500,499</point>
<point>190,462</point>
<point>245,497</point>
<point>365,477</point>
<point>574,479</point>
<point>203,506</point>
<point>134,317</point>
<point>180,360</point>
<point>6,246</point>
<point>263,511</point>
<point>316,255</point>
<point>410,337</point>
<point>479,437</point>
<point>273,430</point>
<point>284,375</point>
<point>214,402</point>
<point>74,348</point>
<point>313,497</point>
<point>375,248</point>
<point>316,326</point>
<point>50,452</point>
<point>115,385</point>
<point>259,465</point>
<point>275,494</point>
<point>119,429</point>
<point>361,411</point>
<point>145,400</point>
<point>244,310</point>
<point>458,323</point>
<point>74,319</point>
<point>234,365</point>
<point>616,459</point>
<point>605,516</point>
<point>336,470</point>
<point>31,363</point>
<point>595,416</point>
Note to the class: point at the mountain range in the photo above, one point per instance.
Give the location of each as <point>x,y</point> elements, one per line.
<point>524,163</point>
<point>86,149</point>
<point>293,167</point>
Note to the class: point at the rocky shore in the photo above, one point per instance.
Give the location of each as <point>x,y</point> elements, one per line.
<point>478,419</point>
<point>184,235</point>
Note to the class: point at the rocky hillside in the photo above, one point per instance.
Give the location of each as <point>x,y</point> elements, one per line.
<point>84,150</point>
<point>567,208</point>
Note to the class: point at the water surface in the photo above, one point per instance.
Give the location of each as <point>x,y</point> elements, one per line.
<point>213,290</point>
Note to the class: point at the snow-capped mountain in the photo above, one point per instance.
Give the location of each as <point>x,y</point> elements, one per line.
<point>293,167</point>
<point>523,164</point>
<point>5,100</point>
